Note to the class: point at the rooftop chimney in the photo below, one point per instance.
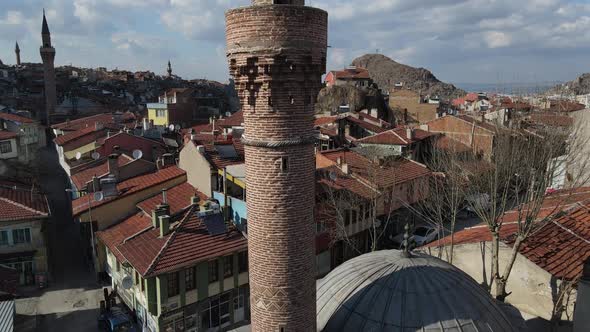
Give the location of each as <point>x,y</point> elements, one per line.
<point>159,211</point>
<point>164,225</point>
<point>114,165</point>
<point>345,168</point>
<point>195,200</point>
<point>410,134</point>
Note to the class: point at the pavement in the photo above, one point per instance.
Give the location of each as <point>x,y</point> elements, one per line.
<point>71,302</point>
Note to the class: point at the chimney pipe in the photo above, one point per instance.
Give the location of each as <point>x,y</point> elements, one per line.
<point>345,168</point>
<point>114,165</point>
<point>164,225</point>
<point>410,134</point>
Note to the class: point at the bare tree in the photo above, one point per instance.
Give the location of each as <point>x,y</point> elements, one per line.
<point>522,168</point>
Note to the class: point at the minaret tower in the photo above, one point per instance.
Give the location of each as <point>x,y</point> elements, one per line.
<point>169,69</point>
<point>17,51</point>
<point>48,55</point>
<point>276,51</point>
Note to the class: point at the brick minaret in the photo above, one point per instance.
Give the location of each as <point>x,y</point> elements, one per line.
<point>277,56</point>
<point>48,55</point>
<point>17,52</point>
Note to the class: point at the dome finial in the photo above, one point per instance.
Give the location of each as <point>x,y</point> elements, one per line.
<point>406,242</point>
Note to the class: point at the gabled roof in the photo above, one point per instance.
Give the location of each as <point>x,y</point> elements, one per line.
<point>187,244</point>
<point>178,197</point>
<point>85,122</point>
<point>234,120</point>
<point>397,136</point>
<point>81,178</point>
<point>352,73</point>
<point>365,125</point>
<point>341,182</point>
<point>393,171</point>
<point>325,120</point>
<point>19,203</point>
<point>69,137</point>
<point>5,134</point>
<point>562,243</point>
<point>115,235</point>
<point>15,118</point>
<point>129,187</point>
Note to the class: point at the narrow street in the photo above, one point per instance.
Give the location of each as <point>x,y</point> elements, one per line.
<point>71,301</point>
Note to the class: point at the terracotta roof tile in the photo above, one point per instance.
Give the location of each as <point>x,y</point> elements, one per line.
<point>325,120</point>
<point>365,125</point>
<point>86,122</point>
<point>15,118</point>
<point>448,144</point>
<point>391,173</point>
<point>188,243</point>
<point>397,136</point>
<point>5,134</point>
<point>115,235</point>
<point>178,197</point>
<point>356,73</point>
<point>235,120</point>
<point>63,139</point>
<point>81,178</point>
<point>129,187</point>
<point>18,203</point>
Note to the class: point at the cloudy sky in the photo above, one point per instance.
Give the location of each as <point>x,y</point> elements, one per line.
<point>461,41</point>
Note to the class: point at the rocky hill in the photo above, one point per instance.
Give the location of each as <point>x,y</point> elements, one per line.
<point>579,86</point>
<point>386,73</point>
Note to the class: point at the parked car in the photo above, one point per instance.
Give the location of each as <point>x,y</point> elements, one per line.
<point>116,320</point>
<point>420,236</point>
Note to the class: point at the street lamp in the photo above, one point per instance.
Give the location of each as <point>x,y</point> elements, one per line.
<point>98,196</point>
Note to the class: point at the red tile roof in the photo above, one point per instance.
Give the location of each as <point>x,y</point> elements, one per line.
<point>561,244</point>
<point>129,187</point>
<point>187,244</point>
<point>178,197</point>
<point>71,136</point>
<point>86,122</point>
<point>235,120</point>
<point>356,73</point>
<point>397,136</point>
<point>325,120</point>
<point>18,203</point>
<point>15,118</point>
<point>215,159</point>
<point>566,106</point>
<point>471,97</point>
<point>391,173</point>
<point>5,134</point>
<point>342,182</point>
<point>366,125</point>
<point>81,178</point>
<point>115,235</point>
<point>553,120</point>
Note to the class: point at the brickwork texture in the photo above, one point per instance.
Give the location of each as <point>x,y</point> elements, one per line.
<point>277,55</point>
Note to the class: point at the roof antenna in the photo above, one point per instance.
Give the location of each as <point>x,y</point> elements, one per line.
<point>164,198</point>
<point>406,242</point>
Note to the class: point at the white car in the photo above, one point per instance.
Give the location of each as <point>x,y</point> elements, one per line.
<point>422,235</point>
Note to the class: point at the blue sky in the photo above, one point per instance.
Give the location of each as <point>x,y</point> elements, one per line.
<point>475,41</point>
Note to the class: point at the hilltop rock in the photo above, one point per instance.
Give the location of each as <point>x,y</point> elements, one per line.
<point>386,73</point>
<point>579,86</point>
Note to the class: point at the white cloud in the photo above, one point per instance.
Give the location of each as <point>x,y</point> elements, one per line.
<point>496,39</point>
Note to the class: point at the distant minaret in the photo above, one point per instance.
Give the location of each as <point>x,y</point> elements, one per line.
<point>17,51</point>
<point>48,55</point>
<point>169,69</point>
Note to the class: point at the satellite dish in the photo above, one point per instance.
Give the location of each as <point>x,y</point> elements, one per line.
<point>177,127</point>
<point>78,155</point>
<point>137,154</point>
<point>127,282</point>
<point>171,127</point>
<point>98,196</point>
<point>95,155</point>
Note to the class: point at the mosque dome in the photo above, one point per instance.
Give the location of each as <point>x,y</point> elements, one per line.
<point>394,291</point>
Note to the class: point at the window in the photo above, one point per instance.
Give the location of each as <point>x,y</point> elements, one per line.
<point>284,164</point>
<point>22,235</point>
<point>172,284</point>
<point>4,238</point>
<point>213,271</point>
<point>5,147</point>
<point>161,113</point>
<point>189,279</point>
<point>228,266</point>
<point>243,262</point>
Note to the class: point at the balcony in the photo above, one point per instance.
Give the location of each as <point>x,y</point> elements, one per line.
<point>237,209</point>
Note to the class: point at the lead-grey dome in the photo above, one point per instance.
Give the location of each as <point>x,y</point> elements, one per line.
<point>386,291</point>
